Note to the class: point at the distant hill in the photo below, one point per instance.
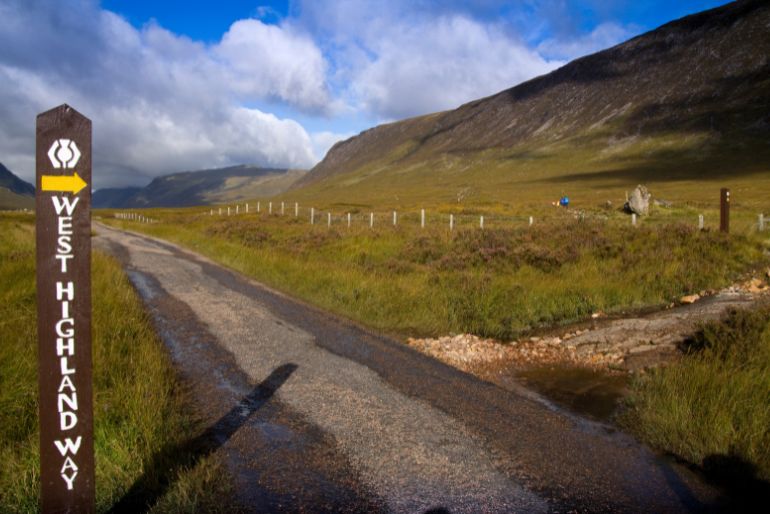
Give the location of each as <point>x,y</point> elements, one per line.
<point>14,192</point>
<point>203,187</point>
<point>686,102</point>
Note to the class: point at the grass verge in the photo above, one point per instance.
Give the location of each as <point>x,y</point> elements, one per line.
<point>140,408</point>
<point>498,282</point>
<point>713,407</point>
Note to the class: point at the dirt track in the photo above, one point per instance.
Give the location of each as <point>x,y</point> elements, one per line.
<point>313,413</point>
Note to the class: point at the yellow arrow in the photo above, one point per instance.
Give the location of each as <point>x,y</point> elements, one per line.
<point>65,183</point>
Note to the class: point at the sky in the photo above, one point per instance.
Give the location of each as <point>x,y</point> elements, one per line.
<point>173,86</point>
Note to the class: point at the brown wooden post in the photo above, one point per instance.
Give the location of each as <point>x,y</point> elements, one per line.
<point>63,236</point>
<point>724,211</point>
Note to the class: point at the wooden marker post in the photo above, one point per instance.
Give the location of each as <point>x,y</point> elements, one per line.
<point>724,210</point>
<point>63,237</point>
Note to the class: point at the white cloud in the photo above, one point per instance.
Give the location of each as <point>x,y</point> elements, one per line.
<point>603,36</point>
<point>159,102</point>
<point>441,64</point>
<point>324,140</point>
<point>272,61</point>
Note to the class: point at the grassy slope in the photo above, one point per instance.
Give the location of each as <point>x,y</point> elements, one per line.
<point>139,408</point>
<point>681,168</point>
<point>12,201</point>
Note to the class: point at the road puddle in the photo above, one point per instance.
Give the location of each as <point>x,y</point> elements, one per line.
<point>591,393</point>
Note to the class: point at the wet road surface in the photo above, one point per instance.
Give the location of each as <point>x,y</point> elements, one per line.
<point>313,413</point>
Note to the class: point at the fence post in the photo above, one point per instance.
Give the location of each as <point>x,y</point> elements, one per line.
<point>481,222</point>
<point>281,208</point>
<point>237,208</point>
<point>371,220</point>
<point>451,221</point>
<point>395,218</point>
<point>531,221</point>
<point>258,208</point>
<point>247,208</point>
<point>212,212</point>
<point>296,209</point>
<point>228,210</point>
<point>270,208</point>
<point>312,215</point>
<point>761,222</point>
<point>724,210</point>
<point>422,218</point>
<point>220,211</point>
<point>700,222</point>
<point>633,219</point>
<point>348,220</point>
<point>328,219</point>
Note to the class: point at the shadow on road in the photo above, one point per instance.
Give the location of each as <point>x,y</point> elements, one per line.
<point>151,486</point>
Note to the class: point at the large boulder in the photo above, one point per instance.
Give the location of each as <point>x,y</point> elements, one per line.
<point>639,201</point>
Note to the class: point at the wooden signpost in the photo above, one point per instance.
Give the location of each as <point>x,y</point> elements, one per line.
<point>63,234</point>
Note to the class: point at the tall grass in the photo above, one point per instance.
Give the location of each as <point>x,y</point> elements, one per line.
<point>139,406</point>
<point>713,406</point>
<point>497,282</point>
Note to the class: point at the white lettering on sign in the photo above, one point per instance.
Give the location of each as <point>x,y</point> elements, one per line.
<point>64,225</point>
<point>67,400</point>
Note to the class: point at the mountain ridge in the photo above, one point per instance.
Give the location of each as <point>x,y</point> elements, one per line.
<point>15,193</point>
<point>693,87</point>
<point>201,187</point>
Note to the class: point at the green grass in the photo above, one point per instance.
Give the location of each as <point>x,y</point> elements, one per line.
<point>499,282</point>
<point>714,406</point>
<point>140,408</point>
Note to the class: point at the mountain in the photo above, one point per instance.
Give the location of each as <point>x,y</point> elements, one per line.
<point>14,192</point>
<point>203,187</point>
<point>114,197</point>
<point>686,102</point>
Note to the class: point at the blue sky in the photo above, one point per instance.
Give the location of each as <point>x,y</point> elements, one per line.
<point>172,86</point>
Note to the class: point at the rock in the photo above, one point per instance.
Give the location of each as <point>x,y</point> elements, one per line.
<point>639,201</point>
<point>692,298</point>
<point>755,285</point>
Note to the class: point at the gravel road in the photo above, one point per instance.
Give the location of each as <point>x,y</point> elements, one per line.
<point>314,413</point>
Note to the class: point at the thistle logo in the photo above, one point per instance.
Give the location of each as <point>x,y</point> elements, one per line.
<point>64,153</point>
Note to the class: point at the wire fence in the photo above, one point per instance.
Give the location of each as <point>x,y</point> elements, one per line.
<point>430,219</point>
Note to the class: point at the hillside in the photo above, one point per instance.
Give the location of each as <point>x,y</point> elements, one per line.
<point>687,102</point>
<point>203,187</point>
<point>14,192</point>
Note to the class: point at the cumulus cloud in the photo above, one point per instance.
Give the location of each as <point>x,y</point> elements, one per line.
<point>437,65</point>
<point>272,61</point>
<point>402,58</point>
<point>159,102</point>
